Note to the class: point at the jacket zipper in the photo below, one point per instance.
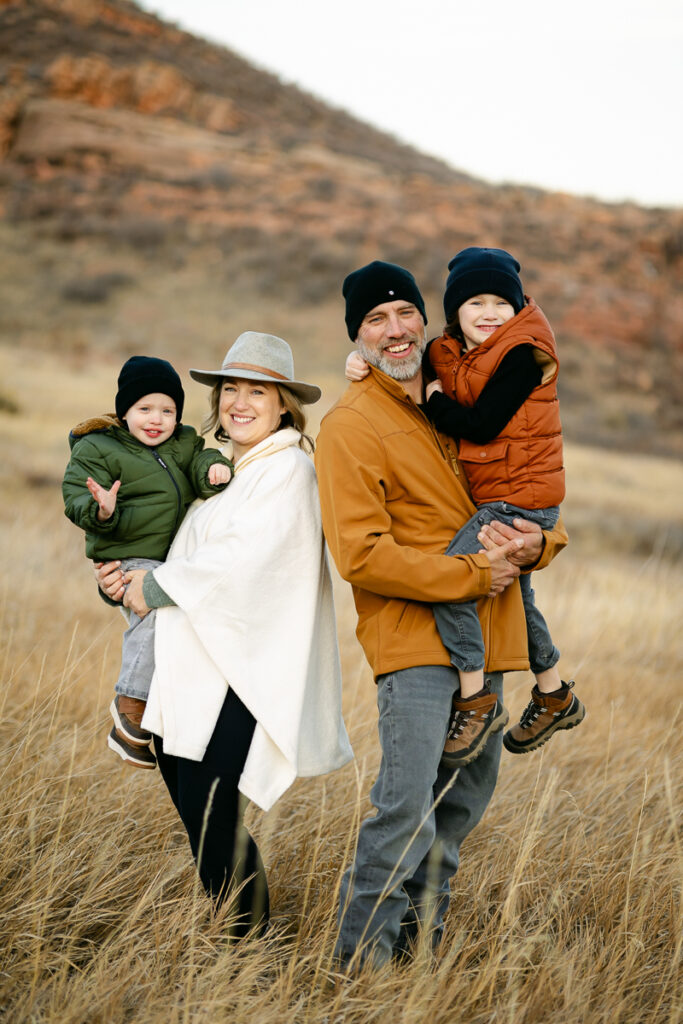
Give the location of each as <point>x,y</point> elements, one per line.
<point>449,450</point>
<point>161,462</point>
<point>453,458</point>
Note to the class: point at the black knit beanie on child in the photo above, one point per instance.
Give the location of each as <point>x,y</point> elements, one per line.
<point>375,284</point>
<point>145,375</point>
<point>476,271</point>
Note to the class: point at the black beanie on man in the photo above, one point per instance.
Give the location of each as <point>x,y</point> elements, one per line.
<point>375,284</point>
<point>476,271</point>
<point>146,375</point>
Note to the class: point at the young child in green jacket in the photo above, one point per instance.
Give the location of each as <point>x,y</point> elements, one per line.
<point>128,484</point>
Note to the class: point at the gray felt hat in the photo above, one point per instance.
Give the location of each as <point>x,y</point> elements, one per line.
<point>256,356</point>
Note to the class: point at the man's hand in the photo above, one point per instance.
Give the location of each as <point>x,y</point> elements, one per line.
<point>133,597</point>
<point>109,578</point>
<point>503,571</point>
<point>531,535</point>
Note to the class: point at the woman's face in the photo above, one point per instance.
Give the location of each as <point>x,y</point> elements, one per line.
<point>249,411</point>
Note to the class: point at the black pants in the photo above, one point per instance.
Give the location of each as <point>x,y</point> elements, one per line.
<point>228,852</point>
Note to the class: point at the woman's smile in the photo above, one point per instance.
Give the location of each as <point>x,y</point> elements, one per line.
<point>249,411</point>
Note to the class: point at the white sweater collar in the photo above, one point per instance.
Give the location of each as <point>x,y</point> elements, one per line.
<point>285,438</point>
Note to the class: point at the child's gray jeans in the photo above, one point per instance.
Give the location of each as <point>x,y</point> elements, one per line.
<point>137,648</point>
<point>458,624</point>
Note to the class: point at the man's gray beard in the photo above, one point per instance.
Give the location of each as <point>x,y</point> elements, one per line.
<point>404,370</point>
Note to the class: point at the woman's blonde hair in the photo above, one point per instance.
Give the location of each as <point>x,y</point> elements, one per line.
<point>294,415</point>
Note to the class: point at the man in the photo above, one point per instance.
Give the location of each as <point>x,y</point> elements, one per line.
<point>392,497</point>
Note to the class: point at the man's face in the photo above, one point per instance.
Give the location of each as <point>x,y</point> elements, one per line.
<point>392,338</point>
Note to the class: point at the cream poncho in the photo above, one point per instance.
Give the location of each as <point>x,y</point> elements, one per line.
<point>248,572</point>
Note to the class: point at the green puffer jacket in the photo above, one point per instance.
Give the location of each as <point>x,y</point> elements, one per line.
<point>157,486</point>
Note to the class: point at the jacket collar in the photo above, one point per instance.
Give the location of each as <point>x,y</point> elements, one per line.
<point>388,384</point>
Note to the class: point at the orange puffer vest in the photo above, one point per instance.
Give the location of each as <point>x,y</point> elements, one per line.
<point>523,465</point>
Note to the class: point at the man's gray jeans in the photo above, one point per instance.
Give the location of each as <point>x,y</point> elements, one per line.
<point>409,851</point>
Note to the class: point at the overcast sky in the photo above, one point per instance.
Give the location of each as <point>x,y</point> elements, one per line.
<point>582,97</point>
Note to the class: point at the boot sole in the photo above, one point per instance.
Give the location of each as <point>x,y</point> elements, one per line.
<point>570,722</point>
<point>143,740</point>
<point>128,753</point>
<point>498,724</point>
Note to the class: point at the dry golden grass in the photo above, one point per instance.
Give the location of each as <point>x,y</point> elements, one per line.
<point>568,904</point>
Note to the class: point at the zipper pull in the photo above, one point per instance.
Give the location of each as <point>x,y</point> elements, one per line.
<point>451,456</point>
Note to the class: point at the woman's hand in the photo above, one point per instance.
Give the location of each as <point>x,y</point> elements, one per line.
<point>133,597</point>
<point>530,534</point>
<point>435,385</point>
<point>356,367</point>
<point>109,576</point>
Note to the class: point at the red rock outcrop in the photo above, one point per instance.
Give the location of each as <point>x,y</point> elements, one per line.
<point>109,117</point>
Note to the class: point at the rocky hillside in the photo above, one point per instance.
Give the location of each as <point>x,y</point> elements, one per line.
<point>149,179</point>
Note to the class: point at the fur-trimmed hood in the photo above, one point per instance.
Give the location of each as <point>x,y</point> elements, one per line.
<point>94,425</point>
<point>158,484</point>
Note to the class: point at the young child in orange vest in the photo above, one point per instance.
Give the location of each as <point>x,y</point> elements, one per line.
<point>496,394</point>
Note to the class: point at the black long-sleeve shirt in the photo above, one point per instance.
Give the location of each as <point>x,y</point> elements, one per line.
<point>507,390</point>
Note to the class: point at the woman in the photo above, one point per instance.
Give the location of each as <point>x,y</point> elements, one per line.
<point>247,687</point>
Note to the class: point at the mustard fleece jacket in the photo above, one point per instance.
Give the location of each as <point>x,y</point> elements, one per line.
<point>392,497</point>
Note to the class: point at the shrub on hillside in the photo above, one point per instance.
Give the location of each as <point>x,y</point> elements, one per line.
<point>96,288</point>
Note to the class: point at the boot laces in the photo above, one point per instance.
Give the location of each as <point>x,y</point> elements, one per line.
<point>530,714</point>
<point>458,723</point>
<point>461,717</point>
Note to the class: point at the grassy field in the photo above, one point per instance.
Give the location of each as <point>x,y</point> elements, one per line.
<point>568,904</point>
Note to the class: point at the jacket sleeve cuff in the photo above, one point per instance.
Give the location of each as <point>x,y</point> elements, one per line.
<point>154,595</point>
<point>553,542</point>
<point>95,525</point>
<point>438,402</point>
<point>484,566</point>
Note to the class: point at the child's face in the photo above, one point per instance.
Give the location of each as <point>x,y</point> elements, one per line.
<point>152,419</point>
<point>481,315</point>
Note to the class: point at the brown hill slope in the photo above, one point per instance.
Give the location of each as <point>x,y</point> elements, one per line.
<point>158,193</point>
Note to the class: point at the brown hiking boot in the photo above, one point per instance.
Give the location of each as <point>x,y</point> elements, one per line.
<point>544,714</point>
<point>139,756</point>
<point>473,719</point>
<point>127,713</point>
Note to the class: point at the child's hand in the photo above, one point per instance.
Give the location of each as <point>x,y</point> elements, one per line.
<point>356,367</point>
<point>219,474</point>
<point>431,388</point>
<point>105,499</point>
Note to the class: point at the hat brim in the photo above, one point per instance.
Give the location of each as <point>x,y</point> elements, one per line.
<point>308,393</point>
